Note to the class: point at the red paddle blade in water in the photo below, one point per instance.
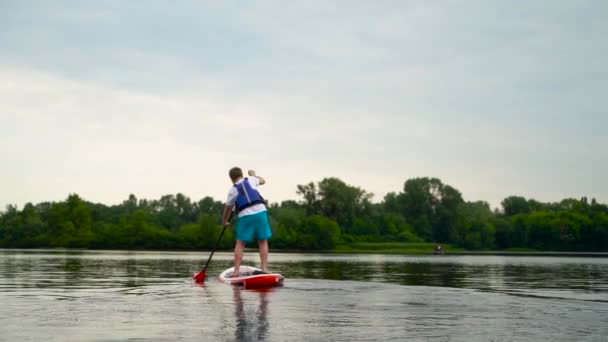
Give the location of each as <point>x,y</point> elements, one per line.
<point>199,278</point>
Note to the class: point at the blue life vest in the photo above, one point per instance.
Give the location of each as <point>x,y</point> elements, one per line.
<point>247,196</point>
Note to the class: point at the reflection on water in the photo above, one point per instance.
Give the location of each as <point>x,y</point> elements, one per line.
<point>117,295</point>
<point>250,322</point>
<point>488,273</point>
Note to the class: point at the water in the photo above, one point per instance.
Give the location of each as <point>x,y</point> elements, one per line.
<point>49,295</point>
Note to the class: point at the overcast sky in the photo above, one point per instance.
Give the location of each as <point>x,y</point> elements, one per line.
<point>496,98</point>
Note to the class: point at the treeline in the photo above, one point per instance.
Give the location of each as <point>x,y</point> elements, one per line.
<point>328,213</point>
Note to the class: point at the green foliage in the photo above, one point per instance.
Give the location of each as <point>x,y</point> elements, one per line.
<point>475,228</point>
<point>336,200</point>
<point>330,215</point>
<point>204,234</point>
<point>514,205</point>
<point>317,233</point>
<point>431,206</point>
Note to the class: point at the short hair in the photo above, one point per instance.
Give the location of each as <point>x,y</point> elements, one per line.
<point>235,173</point>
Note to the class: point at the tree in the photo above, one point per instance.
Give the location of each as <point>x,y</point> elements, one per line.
<point>309,193</point>
<point>318,233</point>
<point>186,211</point>
<point>73,220</point>
<point>342,202</point>
<point>475,228</point>
<point>33,228</point>
<point>392,203</point>
<point>331,212</point>
<point>209,207</point>
<point>503,230</point>
<point>431,206</point>
<point>168,213</point>
<point>336,200</point>
<point>514,205</point>
<point>10,228</point>
<point>130,205</point>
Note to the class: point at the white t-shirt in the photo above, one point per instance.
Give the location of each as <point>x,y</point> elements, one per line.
<point>233,193</point>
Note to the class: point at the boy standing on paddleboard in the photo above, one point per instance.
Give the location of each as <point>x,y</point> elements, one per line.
<point>252,222</point>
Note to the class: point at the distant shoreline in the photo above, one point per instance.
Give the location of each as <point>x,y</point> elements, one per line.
<point>503,253</point>
<point>339,252</point>
<point>476,253</point>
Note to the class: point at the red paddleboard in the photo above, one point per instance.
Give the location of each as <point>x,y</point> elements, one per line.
<point>250,278</point>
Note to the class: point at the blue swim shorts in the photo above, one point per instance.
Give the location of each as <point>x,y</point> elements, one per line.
<point>253,226</point>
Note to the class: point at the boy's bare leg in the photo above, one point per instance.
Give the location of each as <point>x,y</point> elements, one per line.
<point>263,246</point>
<point>238,256</point>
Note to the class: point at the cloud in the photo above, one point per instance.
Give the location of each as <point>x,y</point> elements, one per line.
<point>112,98</point>
<point>104,143</point>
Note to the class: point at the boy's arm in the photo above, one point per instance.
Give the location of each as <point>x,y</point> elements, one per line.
<point>252,173</point>
<point>227,211</point>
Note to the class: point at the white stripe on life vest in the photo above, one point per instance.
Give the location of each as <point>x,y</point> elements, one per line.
<point>246,194</point>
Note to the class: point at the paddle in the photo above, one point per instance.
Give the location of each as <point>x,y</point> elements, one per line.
<point>199,278</point>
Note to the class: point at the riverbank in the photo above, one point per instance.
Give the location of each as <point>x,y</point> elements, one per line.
<point>424,248</point>
<point>394,248</point>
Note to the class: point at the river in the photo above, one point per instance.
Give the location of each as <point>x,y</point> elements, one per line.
<point>67,295</point>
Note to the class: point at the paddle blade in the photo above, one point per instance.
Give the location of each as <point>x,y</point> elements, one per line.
<point>199,278</point>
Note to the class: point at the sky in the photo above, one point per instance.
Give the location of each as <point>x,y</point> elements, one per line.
<point>111,98</point>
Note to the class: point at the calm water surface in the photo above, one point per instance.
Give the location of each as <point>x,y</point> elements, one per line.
<point>50,295</point>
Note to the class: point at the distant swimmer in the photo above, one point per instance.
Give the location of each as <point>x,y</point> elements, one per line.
<point>438,250</point>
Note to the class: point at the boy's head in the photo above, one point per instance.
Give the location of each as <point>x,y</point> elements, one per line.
<point>235,174</point>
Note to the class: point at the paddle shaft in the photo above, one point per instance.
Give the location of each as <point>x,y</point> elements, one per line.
<point>217,243</point>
